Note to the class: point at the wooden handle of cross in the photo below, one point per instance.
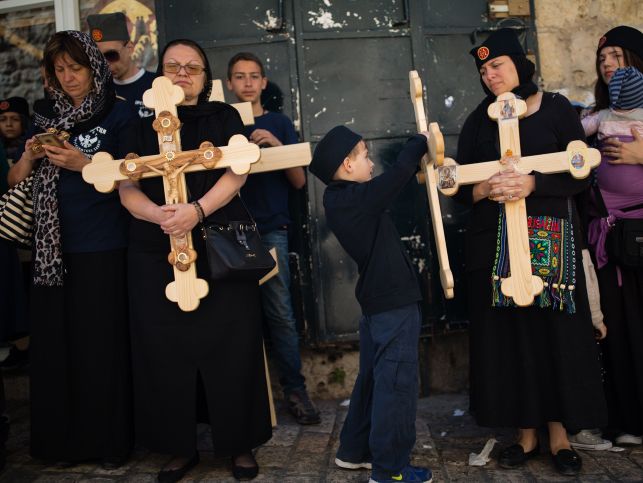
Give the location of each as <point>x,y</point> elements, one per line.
<point>428,163</point>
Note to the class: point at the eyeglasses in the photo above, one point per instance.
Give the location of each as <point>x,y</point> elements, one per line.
<point>112,56</point>
<point>190,69</point>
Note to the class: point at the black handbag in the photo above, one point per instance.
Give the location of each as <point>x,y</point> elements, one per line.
<point>624,243</point>
<point>235,251</point>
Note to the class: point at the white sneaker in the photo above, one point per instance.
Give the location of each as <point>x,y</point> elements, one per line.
<point>347,465</point>
<point>590,440</point>
<point>628,439</point>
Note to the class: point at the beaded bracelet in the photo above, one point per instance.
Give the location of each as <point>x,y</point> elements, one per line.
<point>199,210</point>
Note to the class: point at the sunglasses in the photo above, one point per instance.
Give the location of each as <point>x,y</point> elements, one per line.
<point>190,69</point>
<point>113,55</point>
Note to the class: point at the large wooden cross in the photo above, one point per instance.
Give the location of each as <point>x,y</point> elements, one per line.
<point>578,160</point>
<point>239,155</point>
<point>172,164</point>
<point>429,163</point>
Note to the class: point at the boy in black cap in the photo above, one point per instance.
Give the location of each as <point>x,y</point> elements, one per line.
<point>379,430</point>
<point>14,124</point>
<point>109,31</point>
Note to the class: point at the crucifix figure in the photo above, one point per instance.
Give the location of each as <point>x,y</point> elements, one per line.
<point>578,160</point>
<point>172,164</point>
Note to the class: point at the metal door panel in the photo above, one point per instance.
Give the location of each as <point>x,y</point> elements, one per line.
<point>452,81</point>
<point>218,20</point>
<point>349,15</point>
<point>366,91</point>
<point>450,14</point>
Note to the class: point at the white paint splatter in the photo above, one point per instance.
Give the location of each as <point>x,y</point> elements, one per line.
<point>317,114</point>
<point>327,3</point>
<point>312,100</point>
<point>271,21</point>
<point>324,19</point>
<point>448,101</point>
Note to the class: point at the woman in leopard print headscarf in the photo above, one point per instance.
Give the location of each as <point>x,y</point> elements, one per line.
<point>80,395</point>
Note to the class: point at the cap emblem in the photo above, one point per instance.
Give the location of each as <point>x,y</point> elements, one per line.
<point>97,35</point>
<point>4,105</point>
<point>483,53</point>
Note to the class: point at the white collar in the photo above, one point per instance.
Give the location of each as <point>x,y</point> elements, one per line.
<point>132,79</point>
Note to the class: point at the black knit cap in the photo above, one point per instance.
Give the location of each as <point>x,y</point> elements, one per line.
<point>331,152</point>
<point>15,104</point>
<point>624,37</point>
<point>108,26</point>
<point>501,42</point>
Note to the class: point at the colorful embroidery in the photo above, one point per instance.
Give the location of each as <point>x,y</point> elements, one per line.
<point>551,244</point>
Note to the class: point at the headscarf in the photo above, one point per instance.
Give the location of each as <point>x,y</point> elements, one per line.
<point>505,42</point>
<point>59,112</point>
<point>204,96</point>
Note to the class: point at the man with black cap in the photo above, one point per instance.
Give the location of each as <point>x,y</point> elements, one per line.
<point>379,430</point>
<point>109,31</point>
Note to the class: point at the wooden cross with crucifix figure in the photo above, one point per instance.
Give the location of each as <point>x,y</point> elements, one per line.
<point>172,163</point>
<point>578,160</point>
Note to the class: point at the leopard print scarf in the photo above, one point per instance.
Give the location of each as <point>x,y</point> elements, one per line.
<point>47,249</point>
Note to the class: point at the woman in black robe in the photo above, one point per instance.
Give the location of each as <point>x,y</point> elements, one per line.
<point>535,365</point>
<point>210,358</point>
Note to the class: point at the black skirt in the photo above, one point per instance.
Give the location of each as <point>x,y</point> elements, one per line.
<point>623,347</point>
<point>529,365</point>
<point>217,347</point>
<point>81,405</point>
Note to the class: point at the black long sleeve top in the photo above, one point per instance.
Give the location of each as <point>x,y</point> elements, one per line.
<point>358,215</point>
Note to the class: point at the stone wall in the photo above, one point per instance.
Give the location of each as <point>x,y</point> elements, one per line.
<point>568,34</point>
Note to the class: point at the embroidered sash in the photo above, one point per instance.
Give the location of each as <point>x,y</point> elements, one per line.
<point>553,258</point>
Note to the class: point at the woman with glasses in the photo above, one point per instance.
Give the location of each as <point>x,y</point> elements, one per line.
<point>205,365</point>
<point>79,355</point>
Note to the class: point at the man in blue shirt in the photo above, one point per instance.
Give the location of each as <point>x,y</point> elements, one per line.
<point>109,31</point>
<point>266,196</point>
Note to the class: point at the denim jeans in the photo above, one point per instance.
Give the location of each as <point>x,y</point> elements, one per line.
<point>380,425</point>
<point>278,313</point>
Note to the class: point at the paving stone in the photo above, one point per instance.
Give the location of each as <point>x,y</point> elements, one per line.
<point>313,443</point>
<point>306,454</point>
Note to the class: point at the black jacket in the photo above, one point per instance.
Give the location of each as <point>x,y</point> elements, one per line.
<point>357,213</point>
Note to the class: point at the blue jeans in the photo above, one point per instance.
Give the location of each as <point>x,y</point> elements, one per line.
<point>278,313</point>
<point>380,425</point>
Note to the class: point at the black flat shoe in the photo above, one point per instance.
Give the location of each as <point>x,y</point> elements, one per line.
<point>171,476</point>
<point>244,473</point>
<point>567,462</point>
<point>514,456</point>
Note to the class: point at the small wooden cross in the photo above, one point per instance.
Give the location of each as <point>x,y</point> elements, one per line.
<point>172,164</point>
<point>578,160</point>
<point>274,158</point>
<point>428,164</point>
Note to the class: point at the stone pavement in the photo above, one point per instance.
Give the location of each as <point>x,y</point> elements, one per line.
<point>305,454</point>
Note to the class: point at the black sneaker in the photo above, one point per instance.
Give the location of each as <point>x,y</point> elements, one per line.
<point>302,408</point>
<point>16,359</point>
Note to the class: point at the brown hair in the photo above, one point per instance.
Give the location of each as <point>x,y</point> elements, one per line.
<point>245,56</point>
<point>59,44</point>
<point>601,92</point>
